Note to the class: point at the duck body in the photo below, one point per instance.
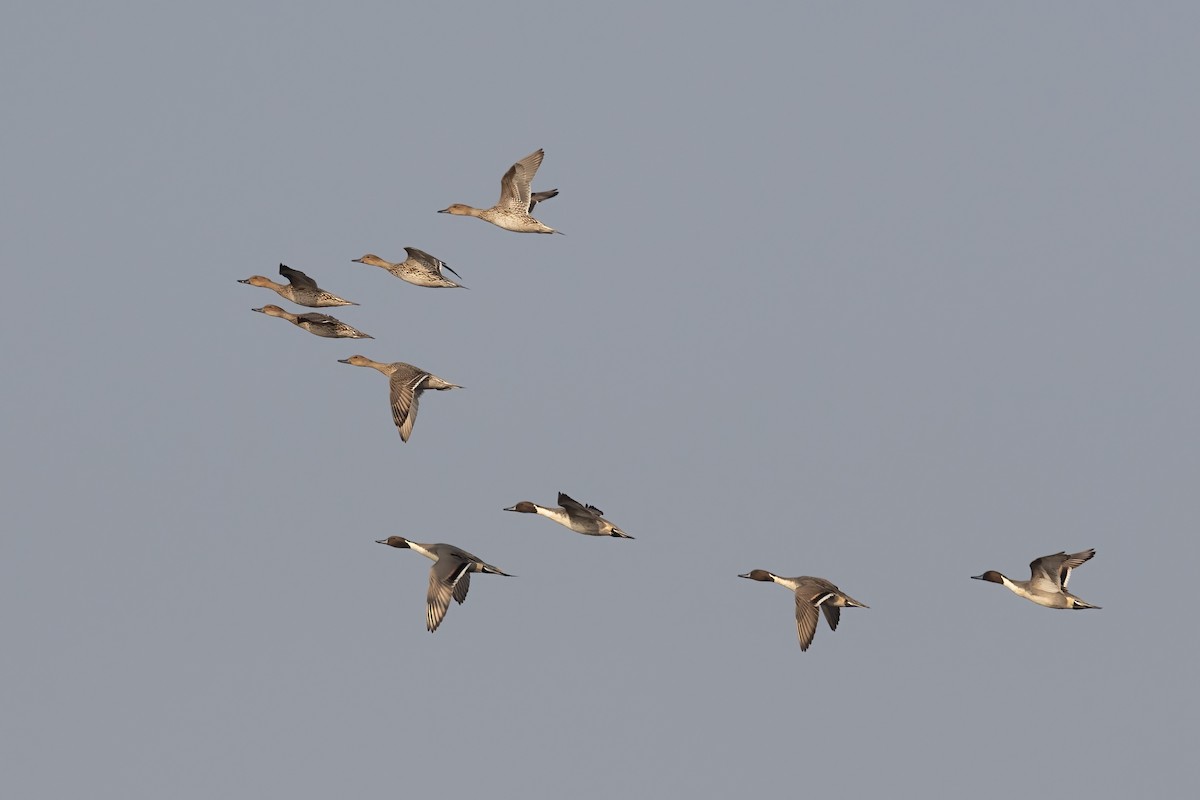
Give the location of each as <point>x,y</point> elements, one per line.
<point>317,324</point>
<point>406,384</point>
<point>449,577</point>
<point>513,211</point>
<point>1047,584</point>
<point>419,269</point>
<point>574,515</point>
<point>811,594</point>
<point>300,289</point>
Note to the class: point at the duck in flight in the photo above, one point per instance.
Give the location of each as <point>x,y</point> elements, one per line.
<point>1047,584</point>
<point>514,210</point>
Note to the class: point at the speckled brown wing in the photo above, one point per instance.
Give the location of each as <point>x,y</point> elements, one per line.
<point>514,186</point>
<point>434,265</point>
<point>406,397</point>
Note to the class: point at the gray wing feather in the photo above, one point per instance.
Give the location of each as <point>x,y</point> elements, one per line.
<point>806,621</point>
<point>444,577</point>
<point>576,507</point>
<point>462,587</point>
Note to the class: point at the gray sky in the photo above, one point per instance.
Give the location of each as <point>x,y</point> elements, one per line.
<point>890,296</point>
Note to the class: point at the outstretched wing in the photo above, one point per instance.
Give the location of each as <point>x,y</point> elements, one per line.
<point>833,615</point>
<point>297,278</point>
<point>1051,573</point>
<point>434,265</point>
<point>514,186</point>
<point>406,396</point>
<point>575,507</point>
<point>462,587</point>
<point>444,577</point>
<point>806,621</point>
<point>538,197</point>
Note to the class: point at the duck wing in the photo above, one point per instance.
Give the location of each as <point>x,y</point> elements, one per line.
<point>462,587</point>
<point>806,621</point>
<point>433,265</point>
<point>538,197</point>
<point>1051,573</point>
<point>318,319</point>
<point>444,578</point>
<point>575,507</point>
<point>297,278</point>
<point>514,186</point>
<point>406,396</point>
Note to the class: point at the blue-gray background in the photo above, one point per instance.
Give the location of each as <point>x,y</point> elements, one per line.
<point>888,295</point>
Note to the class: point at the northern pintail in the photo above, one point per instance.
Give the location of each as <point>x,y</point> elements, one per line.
<point>513,211</point>
<point>407,383</point>
<point>811,594</point>
<point>303,290</point>
<point>1047,584</point>
<point>318,324</point>
<point>574,515</point>
<point>450,575</point>
<point>420,269</point>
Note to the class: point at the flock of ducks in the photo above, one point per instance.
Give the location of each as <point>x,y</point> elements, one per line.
<point>450,575</point>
